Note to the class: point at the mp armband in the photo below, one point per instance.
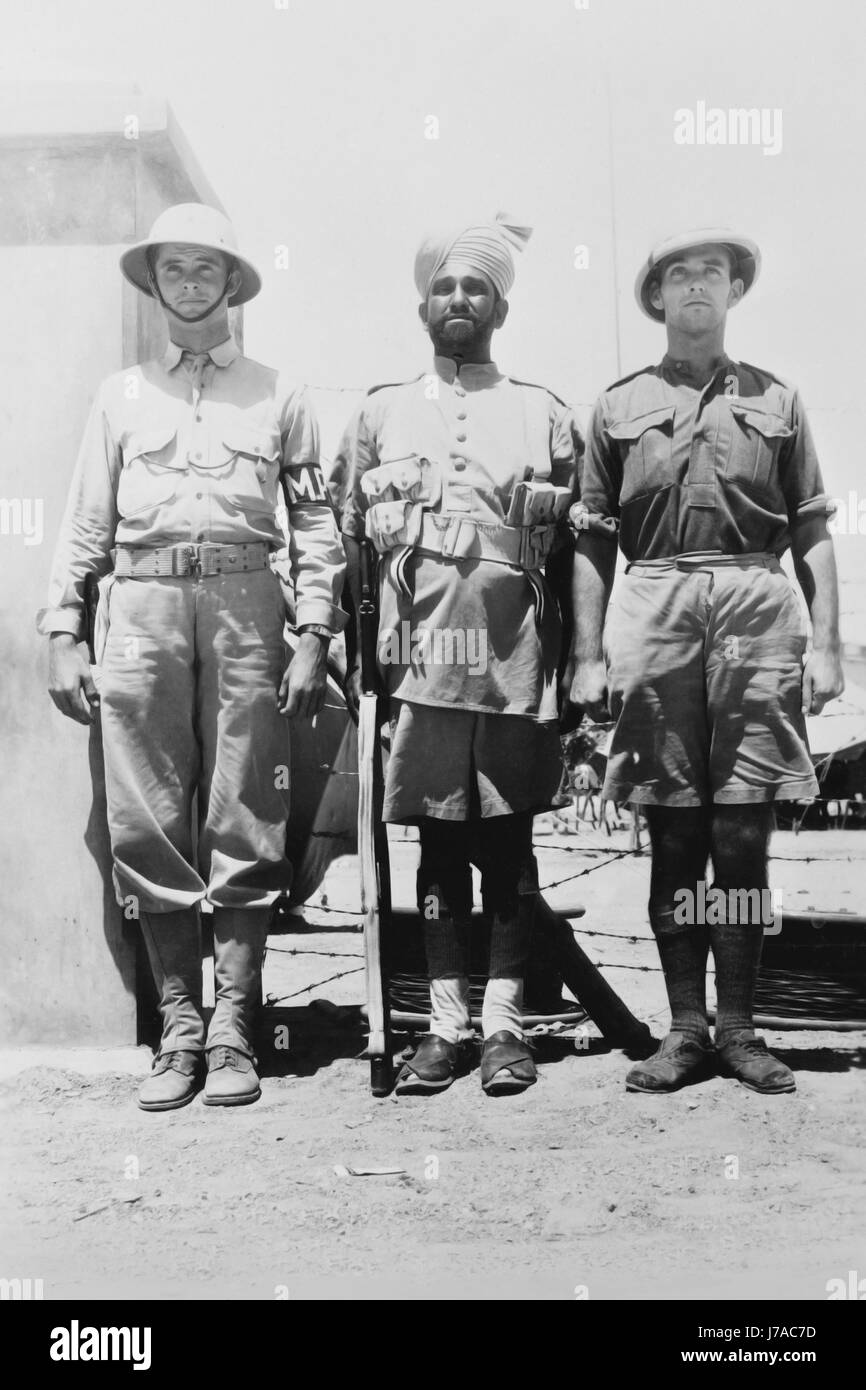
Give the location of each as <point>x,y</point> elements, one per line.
<point>305,483</point>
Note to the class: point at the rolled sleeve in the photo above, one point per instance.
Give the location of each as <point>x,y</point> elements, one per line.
<point>566,446</point>
<point>800,472</point>
<point>316,556</point>
<point>88,527</point>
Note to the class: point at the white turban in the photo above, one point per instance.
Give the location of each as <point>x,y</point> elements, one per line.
<point>488,246</point>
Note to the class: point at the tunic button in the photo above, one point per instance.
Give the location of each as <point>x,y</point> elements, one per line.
<point>461,438</point>
<point>459,467</point>
<point>461,415</point>
<point>199,495</point>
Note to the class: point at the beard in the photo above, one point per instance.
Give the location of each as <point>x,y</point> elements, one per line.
<point>456,337</point>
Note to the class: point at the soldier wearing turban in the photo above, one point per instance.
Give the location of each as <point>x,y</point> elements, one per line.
<point>460,479</point>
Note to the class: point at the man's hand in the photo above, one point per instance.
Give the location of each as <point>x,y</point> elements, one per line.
<point>352,691</point>
<point>822,679</point>
<point>589,689</point>
<point>70,683</point>
<point>302,689</point>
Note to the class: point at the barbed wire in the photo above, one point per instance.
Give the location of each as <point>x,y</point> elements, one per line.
<point>340,975</point>
<point>293,951</point>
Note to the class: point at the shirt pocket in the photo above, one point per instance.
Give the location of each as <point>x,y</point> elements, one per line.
<point>646,447</point>
<point>148,476</point>
<point>251,458</point>
<point>757,438</point>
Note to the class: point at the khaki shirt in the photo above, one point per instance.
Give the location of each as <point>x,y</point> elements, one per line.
<point>677,467</point>
<point>494,632</point>
<point>188,449</point>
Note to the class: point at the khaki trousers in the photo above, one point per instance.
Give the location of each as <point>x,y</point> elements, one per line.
<point>189,680</point>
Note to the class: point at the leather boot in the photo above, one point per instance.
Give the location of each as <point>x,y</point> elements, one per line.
<point>172,1083</point>
<point>240,936</point>
<point>174,951</point>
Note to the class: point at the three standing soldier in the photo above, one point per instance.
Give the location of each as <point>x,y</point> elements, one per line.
<point>179,478</point>
<point>459,479</point>
<point>704,469</point>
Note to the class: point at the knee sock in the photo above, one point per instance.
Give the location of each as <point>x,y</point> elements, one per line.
<point>736,951</point>
<point>739,852</point>
<point>444,889</point>
<point>683,953</point>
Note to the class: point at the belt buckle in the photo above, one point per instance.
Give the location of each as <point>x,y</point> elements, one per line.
<point>183,560</point>
<point>206,559</point>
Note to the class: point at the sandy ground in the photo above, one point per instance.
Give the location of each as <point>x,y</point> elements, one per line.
<point>573,1189</point>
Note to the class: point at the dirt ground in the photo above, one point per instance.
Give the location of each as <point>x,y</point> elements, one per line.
<point>573,1189</point>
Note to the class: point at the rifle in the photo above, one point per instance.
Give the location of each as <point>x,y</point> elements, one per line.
<point>372,834</point>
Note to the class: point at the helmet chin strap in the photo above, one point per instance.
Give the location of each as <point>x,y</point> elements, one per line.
<point>195,318</point>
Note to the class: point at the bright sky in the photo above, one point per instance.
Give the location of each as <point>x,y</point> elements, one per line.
<point>311,119</point>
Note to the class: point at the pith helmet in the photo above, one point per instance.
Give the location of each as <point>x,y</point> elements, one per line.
<point>746,252</point>
<point>197,225</point>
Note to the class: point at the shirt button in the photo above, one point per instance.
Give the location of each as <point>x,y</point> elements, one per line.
<point>459,467</point>
<point>461,415</point>
<point>198,419</point>
<point>461,438</point>
<point>199,495</point>
<point>196,456</point>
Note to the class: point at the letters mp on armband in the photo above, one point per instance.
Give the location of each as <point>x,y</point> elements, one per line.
<point>306,483</point>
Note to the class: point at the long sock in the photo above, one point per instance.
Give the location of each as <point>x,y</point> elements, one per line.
<point>680,844</point>
<point>683,953</point>
<point>444,889</point>
<point>737,954</point>
<point>740,840</point>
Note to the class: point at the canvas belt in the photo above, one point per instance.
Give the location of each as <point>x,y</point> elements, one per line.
<point>190,561</point>
<point>703,560</point>
<point>461,538</point>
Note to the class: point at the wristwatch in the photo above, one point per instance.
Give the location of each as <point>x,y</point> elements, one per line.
<point>318,628</point>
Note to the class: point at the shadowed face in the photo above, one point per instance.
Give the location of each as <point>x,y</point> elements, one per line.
<point>462,308</point>
<point>193,280</point>
<point>696,288</point>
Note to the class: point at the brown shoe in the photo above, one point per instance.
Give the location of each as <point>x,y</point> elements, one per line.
<point>678,1061</point>
<point>172,1083</point>
<point>433,1066</point>
<point>747,1058</point>
<point>507,1064</point>
<point>231,1078</point>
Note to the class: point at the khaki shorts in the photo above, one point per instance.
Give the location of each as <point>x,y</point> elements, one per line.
<point>705,669</point>
<point>455,764</point>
